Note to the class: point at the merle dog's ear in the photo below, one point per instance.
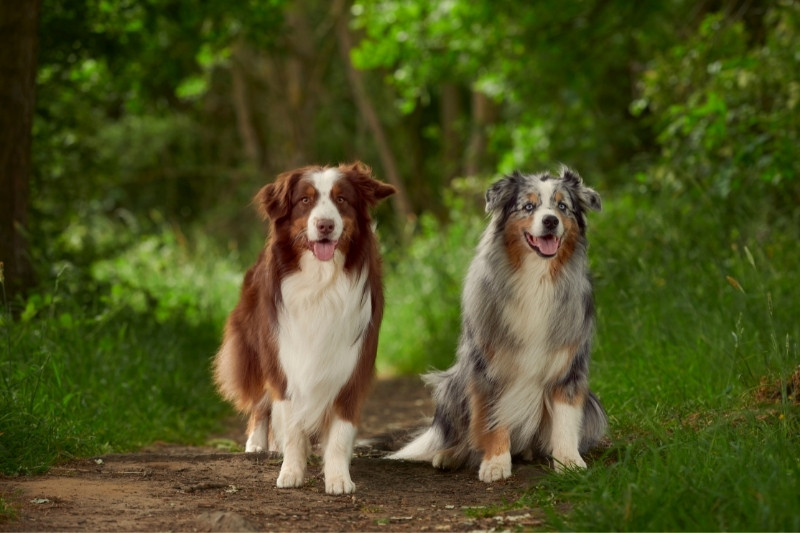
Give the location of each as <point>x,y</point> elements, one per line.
<point>502,192</point>
<point>588,197</point>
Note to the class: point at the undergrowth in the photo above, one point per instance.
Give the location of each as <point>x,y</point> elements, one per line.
<point>695,358</point>
<point>696,315</point>
<point>116,369</point>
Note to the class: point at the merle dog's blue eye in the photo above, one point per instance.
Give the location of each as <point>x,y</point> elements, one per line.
<point>528,207</point>
<point>562,206</point>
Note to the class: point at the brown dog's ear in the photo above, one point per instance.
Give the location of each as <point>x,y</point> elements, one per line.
<point>263,198</point>
<point>372,190</point>
<point>274,200</point>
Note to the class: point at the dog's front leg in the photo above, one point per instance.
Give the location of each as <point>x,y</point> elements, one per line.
<point>493,441</point>
<point>337,454</point>
<point>496,447</point>
<point>294,444</point>
<point>566,429</point>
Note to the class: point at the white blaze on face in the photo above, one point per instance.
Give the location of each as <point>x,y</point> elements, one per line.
<point>324,214</point>
<point>546,226</point>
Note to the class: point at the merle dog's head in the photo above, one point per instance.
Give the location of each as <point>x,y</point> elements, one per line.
<point>542,211</point>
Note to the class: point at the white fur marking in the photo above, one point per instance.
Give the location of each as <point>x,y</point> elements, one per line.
<point>293,443</point>
<point>495,468</point>
<point>565,438</point>
<point>323,317</point>
<point>338,451</point>
<point>257,441</point>
<point>325,207</point>
<point>422,448</point>
<point>548,207</point>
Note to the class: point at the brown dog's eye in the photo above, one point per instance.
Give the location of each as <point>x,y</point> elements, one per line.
<point>305,199</point>
<point>340,200</point>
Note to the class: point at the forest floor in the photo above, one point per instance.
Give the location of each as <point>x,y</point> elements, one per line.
<point>178,488</point>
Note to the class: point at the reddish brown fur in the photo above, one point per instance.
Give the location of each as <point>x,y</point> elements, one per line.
<point>253,368</point>
<point>491,441</point>
<point>517,246</point>
<point>567,248</point>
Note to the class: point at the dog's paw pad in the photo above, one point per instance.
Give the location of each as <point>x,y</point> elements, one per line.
<point>290,478</point>
<point>339,485</point>
<point>495,468</point>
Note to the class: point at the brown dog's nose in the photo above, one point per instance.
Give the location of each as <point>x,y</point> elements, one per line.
<point>325,226</point>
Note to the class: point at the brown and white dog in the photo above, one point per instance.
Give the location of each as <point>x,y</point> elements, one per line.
<point>299,348</point>
<point>520,383</point>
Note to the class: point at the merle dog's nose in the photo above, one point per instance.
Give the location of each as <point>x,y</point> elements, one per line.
<point>325,226</point>
<point>550,222</point>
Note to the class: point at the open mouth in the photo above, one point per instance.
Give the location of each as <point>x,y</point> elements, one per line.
<point>546,245</point>
<point>323,249</point>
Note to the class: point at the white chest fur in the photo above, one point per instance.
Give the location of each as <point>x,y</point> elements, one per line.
<point>321,323</point>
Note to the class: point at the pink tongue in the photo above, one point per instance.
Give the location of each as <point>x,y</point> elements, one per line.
<point>548,245</point>
<point>324,250</point>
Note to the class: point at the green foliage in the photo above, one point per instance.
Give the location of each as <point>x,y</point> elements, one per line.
<point>423,284</point>
<point>685,116</point>
<point>726,105</point>
<point>694,318</point>
<point>557,71</point>
<point>130,367</point>
<point>122,137</point>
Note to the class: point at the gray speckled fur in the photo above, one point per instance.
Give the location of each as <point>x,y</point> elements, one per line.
<point>492,287</point>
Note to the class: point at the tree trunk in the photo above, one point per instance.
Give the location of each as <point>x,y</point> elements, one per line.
<point>451,140</point>
<point>367,110</point>
<point>483,116</point>
<point>18,51</point>
<point>241,105</point>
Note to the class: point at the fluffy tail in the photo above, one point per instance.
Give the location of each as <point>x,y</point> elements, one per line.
<point>595,423</point>
<point>422,448</point>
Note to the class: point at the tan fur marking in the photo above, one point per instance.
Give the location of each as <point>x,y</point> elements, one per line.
<point>491,441</point>
<point>516,245</point>
<point>560,396</point>
<point>567,248</point>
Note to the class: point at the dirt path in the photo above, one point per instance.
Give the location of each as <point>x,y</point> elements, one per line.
<point>171,488</point>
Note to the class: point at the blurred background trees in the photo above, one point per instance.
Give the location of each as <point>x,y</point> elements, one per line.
<point>154,114</point>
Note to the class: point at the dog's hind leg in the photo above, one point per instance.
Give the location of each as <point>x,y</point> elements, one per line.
<point>258,426</point>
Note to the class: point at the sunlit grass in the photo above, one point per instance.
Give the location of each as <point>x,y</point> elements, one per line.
<point>694,315</point>
<point>695,352</point>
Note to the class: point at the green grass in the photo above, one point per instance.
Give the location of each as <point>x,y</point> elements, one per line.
<point>697,338</point>
<point>83,376</point>
<point>693,313</point>
<point>8,511</point>
<point>695,308</point>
